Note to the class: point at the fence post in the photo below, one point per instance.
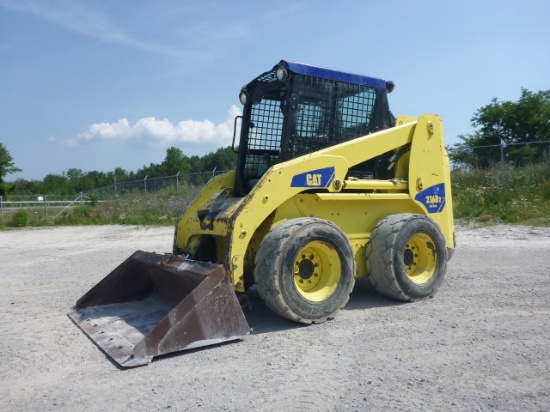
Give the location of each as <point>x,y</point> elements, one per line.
<point>145,185</point>
<point>502,146</point>
<point>46,200</point>
<point>2,209</point>
<point>178,183</point>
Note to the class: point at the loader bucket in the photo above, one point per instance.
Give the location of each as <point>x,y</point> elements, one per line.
<point>154,304</point>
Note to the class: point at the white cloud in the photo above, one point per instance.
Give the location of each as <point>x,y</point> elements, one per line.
<point>163,132</point>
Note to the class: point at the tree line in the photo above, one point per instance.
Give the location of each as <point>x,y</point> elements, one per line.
<point>74,181</point>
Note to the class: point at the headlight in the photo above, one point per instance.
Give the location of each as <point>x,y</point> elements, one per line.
<point>243,97</point>
<point>281,73</point>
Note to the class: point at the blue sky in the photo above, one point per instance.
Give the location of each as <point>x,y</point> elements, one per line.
<point>102,84</point>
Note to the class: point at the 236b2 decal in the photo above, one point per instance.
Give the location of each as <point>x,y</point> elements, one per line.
<point>433,198</point>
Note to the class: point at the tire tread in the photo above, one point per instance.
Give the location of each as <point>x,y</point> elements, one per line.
<point>269,258</point>
<point>380,255</point>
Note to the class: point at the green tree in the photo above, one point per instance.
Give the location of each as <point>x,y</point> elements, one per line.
<point>75,180</point>
<point>175,162</point>
<point>152,171</point>
<point>56,184</point>
<point>120,174</point>
<point>7,166</point>
<point>223,159</point>
<point>520,125</point>
<point>74,174</point>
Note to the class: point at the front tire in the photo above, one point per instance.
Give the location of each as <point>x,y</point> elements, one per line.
<point>305,270</point>
<point>407,257</point>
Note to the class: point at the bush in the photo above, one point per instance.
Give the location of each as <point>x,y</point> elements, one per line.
<point>503,194</point>
<point>20,218</point>
<point>93,199</point>
<point>82,211</point>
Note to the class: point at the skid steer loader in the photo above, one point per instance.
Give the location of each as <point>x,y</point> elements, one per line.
<point>328,187</point>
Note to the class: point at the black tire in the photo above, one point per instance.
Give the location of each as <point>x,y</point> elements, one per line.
<point>305,270</point>
<point>407,257</point>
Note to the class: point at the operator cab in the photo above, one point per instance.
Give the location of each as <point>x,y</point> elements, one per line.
<point>295,109</point>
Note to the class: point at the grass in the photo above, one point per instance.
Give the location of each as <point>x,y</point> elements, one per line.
<point>155,208</point>
<point>159,208</point>
<point>510,195</point>
<point>23,217</point>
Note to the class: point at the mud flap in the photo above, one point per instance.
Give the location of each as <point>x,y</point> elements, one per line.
<point>155,304</point>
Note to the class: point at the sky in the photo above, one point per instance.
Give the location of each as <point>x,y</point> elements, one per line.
<point>101,84</point>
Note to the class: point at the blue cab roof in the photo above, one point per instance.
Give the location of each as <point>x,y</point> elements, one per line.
<point>330,74</point>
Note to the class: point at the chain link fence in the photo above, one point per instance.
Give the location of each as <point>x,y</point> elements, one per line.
<point>37,206</point>
<point>49,206</point>
<point>178,183</point>
<point>516,154</point>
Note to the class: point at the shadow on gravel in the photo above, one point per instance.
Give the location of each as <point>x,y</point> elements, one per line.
<point>364,296</point>
<point>262,320</point>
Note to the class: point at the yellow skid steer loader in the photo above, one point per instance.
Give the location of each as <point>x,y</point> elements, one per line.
<point>329,186</point>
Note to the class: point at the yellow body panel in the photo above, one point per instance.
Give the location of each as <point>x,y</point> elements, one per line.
<point>422,186</point>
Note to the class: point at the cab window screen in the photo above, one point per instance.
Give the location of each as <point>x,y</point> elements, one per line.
<point>264,137</point>
<point>330,112</point>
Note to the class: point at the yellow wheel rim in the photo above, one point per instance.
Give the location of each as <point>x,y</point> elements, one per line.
<point>420,258</point>
<point>317,271</point>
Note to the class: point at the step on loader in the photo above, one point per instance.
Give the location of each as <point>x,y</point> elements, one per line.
<point>329,186</point>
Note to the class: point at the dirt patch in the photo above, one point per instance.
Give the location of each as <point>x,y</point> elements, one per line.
<point>481,343</point>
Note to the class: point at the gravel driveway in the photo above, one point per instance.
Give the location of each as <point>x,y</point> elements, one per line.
<point>483,342</point>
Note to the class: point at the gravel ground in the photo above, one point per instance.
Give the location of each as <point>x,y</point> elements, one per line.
<point>483,343</point>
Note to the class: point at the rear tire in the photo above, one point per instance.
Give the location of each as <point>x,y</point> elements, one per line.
<point>407,257</point>
<point>305,270</point>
